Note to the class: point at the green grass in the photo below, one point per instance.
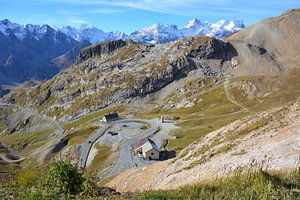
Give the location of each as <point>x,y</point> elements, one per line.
<point>97,115</point>
<point>259,185</point>
<point>81,135</point>
<point>252,186</point>
<point>211,113</point>
<point>101,160</point>
<point>22,141</point>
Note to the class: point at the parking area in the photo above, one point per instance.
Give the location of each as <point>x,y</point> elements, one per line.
<point>122,131</point>
<point>121,135</point>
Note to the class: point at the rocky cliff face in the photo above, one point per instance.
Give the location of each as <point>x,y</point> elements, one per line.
<point>115,71</point>
<point>100,50</point>
<point>266,73</point>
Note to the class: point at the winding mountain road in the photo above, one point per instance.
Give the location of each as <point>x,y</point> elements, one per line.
<point>125,157</point>
<point>32,111</point>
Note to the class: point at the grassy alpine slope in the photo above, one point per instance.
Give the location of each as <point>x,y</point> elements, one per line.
<point>236,103</point>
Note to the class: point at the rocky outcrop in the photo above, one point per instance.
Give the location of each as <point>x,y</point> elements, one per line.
<point>45,96</point>
<point>197,57</point>
<point>113,71</point>
<point>100,49</point>
<point>213,49</point>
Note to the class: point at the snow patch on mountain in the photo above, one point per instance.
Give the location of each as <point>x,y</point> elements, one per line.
<point>154,34</point>
<point>161,33</point>
<point>20,31</point>
<point>91,33</point>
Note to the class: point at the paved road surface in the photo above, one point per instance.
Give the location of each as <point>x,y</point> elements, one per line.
<point>125,159</point>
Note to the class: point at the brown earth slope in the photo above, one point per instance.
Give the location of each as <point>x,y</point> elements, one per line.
<point>191,80</point>
<point>266,76</point>
<point>270,46</point>
<point>269,141</point>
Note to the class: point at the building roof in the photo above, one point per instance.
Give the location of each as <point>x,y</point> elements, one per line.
<point>148,146</point>
<point>140,143</point>
<point>111,116</point>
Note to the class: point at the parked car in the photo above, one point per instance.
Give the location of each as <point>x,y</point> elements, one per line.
<point>112,133</point>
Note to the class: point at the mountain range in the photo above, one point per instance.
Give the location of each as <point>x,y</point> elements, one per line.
<point>156,33</point>
<point>41,51</point>
<point>218,109</point>
<point>90,33</point>
<point>26,51</point>
<point>161,33</point>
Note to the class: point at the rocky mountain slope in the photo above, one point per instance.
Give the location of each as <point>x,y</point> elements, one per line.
<point>27,51</point>
<point>115,71</point>
<point>233,115</point>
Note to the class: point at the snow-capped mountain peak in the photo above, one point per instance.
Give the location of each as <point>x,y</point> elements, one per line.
<point>28,30</point>
<point>91,33</point>
<point>229,25</point>
<point>7,28</point>
<point>86,26</point>
<point>193,23</point>
<point>153,34</point>
<point>161,33</point>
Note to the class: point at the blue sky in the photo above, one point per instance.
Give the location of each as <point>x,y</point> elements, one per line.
<point>130,15</point>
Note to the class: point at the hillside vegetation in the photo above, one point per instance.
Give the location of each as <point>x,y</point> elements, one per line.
<point>235,103</point>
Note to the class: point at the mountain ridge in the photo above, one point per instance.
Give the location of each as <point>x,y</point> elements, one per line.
<point>234,100</point>
<point>45,49</point>
<point>27,51</point>
<point>157,32</point>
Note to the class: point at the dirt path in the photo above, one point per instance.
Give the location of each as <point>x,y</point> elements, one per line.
<point>7,156</point>
<point>229,97</point>
<point>32,111</point>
